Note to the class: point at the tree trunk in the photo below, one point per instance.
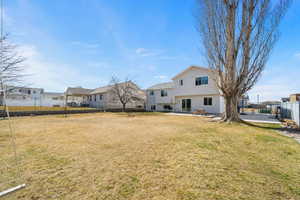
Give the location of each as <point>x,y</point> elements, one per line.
<point>124,107</point>
<point>231,109</point>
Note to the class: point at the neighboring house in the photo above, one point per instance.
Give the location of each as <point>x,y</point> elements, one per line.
<point>103,98</point>
<point>244,101</point>
<point>76,96</point>
<point>23,96</point>
<point>271,104</point>
<point>53,99</point>
<point>191,90</point>
<point>295,97</point>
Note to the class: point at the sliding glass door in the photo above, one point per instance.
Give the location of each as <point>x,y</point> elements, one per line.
<point>186,105</point>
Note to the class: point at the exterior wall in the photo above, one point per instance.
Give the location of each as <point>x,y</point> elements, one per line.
<point>109,102</point>
<point>23,101</point>
<point>159,101</point>
<point>42,100</point>
<point>190,88</point>
<point>75,100</point>
<point>95,101</point>
<point>52,99</point>
<point>19,96</point>
<point>197,103</point>
<point>294,98</point>
<point>222,104</point>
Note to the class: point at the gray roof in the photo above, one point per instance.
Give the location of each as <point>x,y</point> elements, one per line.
<point>162,86</point>
<point>54,93</point>
<point>105,88</point>
<point>101,89</point>
<point>77,91</point>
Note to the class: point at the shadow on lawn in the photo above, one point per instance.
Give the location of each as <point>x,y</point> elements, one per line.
<point>276,127</point>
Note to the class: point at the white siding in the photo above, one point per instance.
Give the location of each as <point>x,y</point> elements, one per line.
<point>43,100</point>
<point>197,103</point>
<point>189,90</point>
<point>158,100</point>
<point>109,102</point>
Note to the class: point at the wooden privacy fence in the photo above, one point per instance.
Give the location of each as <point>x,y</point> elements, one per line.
<point>291,110</point>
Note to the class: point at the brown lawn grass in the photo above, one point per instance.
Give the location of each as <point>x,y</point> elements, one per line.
<point>41,108</point>
<point>152,156</point>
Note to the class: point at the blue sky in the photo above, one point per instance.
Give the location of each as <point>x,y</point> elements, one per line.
<point>85,42</point>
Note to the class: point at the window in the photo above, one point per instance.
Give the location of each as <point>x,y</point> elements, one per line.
<point>100,96</point>
<point>201,80</point>
<point>153,107</point>
<point>163,93</point>
<point>208,101</point>
<point>95,99</point>
<point>151,92</point>
<point>167,107</point>
<point>29,92</point>
<point>181,82</point>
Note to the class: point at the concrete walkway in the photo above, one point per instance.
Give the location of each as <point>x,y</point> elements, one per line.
<point>263,118</point>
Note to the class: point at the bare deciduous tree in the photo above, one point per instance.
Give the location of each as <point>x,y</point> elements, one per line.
<point>11,68</point>
<point>125,92</point>
<point>238,36</point>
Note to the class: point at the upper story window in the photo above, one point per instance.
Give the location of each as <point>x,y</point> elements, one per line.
<point>207,101</point>
<point>163,93</point>
<point>151,92</point>
<point>181,82</point>
<point>100,96</point>
<point>95,98</point>
<point>201,80</point>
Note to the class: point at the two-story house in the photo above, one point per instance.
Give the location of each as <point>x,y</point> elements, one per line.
<point>191,90</point>
<point>24,96</point>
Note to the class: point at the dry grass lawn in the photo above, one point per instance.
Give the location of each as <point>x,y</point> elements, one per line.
<point>114,156</point>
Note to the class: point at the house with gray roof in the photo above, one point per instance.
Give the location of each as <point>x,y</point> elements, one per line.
<point>102,98</point>
<point>192,90</point>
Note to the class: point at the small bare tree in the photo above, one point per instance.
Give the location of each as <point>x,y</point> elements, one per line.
<point>238,36</point>
<point>125,92</point>
<point>11,68</point>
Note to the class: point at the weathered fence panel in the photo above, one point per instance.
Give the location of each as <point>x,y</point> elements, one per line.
<point>291,111</point>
